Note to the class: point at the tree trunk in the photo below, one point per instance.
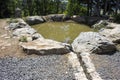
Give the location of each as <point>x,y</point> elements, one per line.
<point>105,7</point>
<point>117,5</point>
<point>88,7</point>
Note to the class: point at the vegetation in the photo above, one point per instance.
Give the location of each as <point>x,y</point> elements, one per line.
<point>23,39</point>
<point>93,7</point>
<point>116,18</point>
<point>72,7</point>
<point>30,7</point>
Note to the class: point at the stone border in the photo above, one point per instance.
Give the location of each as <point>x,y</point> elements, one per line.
<point>78,69</point>
<point>88,66</point>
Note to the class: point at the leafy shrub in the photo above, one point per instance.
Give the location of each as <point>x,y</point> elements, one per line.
<point>116,18</point>
<point>23,39</point>
<point>75,8</point>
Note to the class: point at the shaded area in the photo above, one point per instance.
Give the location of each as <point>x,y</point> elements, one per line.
<point>61,31</point>
<point>36,68</point>
<point>108,66</point>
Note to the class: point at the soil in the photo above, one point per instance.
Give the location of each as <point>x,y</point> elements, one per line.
<point>8,46</point>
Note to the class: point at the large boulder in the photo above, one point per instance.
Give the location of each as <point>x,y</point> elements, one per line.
<point>44,46</point>
<point>105,24</point>
<point>34,20</point>
<point>13,26</point>
<point>26,34</point>
<point>92,42</point>
<point>37,36</point>
<point>112,25</point>
<point>100,24</point>
<point>112,34</point>
<point>17,23</point>
<point>57,17</point>
<point>22,31</point>
<point>86,19</point>
<point>79,19</point>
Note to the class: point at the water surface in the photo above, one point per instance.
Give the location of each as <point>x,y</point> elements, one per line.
<point>61,31</point>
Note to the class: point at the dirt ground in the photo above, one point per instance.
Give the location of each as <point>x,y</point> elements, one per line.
<point>9,46</point>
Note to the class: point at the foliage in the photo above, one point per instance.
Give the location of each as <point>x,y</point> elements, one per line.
<point>30,7</point>
<point>23,39</point>
<point>75,8</point>
<point>116,18</point>
<point>44,7</point>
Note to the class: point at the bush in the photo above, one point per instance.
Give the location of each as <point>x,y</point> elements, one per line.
<point>23,39</point>
<point>116,18</point>
<point>76,8</point>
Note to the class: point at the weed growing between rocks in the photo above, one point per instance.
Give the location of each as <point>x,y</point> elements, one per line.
<point>23,39</point>
<point>11,20</point>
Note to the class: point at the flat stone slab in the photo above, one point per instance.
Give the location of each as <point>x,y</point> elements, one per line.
<point>112,34</point>
<point>45,46</point>
<point>93,42</point>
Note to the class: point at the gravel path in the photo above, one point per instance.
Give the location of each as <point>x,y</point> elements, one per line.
<point>50,67</point>
<point>108,66</point>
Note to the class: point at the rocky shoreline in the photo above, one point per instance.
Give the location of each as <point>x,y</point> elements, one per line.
<point>31,20</point>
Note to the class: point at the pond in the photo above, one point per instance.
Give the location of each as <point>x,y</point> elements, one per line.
<point>61,31</point>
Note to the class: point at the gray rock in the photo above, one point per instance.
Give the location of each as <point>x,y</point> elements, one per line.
<point>21,24</point>
<point>77,66</point>
<point>78,19</point>
<point>20,20</point>
<point>56,17</point>
<point>86,19</point>
<point>100,24</point>
<point>112,34</point>
<point>27,34</point>
<point>44,46</point>
<point>36,36</point>
<point>89,66</point>
<point>112,25</point>
<point>92,42</point>
<point>24,31</point>
<point>34,20</point>
<point>12,26</point>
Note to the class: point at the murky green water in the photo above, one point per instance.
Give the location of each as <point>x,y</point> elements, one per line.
<point>61,31</point>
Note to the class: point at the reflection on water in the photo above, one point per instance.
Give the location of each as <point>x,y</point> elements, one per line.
<point>61,31</point>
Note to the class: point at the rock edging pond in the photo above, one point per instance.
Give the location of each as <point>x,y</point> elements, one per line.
<point>32,20</point>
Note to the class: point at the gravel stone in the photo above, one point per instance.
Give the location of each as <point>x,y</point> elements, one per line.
<point>48,67</point>
<point>108,66</point>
